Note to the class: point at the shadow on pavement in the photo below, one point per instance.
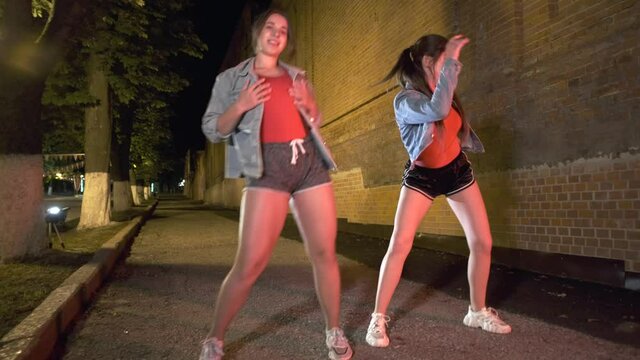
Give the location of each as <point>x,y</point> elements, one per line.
<point>597,310</point>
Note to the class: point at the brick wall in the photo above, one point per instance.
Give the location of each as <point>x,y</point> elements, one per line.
<point>551,87</point>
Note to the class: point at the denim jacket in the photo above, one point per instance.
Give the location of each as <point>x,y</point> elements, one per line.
<point>416,114</point>
<point>243,155</point>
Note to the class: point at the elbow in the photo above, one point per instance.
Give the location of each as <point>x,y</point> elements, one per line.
<point>440,114</point>
<point>210,131</point>
<point>434,113</point>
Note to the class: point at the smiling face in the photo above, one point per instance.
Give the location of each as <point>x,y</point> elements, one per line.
<point>273,37</point>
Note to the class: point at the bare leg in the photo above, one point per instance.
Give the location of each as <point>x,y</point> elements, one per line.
<point>262,216</point>
<point>412,206</point>
<point>468,206</point>
<point>315,213</point>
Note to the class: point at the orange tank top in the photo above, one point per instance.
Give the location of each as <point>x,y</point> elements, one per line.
<point>445,145</point>
<point>281,121</point>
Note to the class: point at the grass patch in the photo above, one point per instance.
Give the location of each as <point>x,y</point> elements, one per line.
<point>25,284</point>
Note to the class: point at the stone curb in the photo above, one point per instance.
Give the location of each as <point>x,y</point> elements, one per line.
<point>37,336</point>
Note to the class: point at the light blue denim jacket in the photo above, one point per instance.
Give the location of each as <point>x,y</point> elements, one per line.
<point>243,155</point>
<point>416,114</point>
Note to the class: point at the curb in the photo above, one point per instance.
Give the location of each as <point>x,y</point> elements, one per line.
<point>37,336</point>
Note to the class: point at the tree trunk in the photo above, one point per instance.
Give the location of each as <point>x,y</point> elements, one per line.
<point>135,189</point>
<point>199,180</point>
<point>122,197</point>
<point>24,67</point>
<point>22,225</point>
<point>120,149</point>
<point>187,175</point>
<point>95,211</point>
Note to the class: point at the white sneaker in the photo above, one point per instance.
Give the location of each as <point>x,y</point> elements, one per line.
<point>339,348</point>
<point>377,331</point>
<point>487,319</point>
<point>211,349</point>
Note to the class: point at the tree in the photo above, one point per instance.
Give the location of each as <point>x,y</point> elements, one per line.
<point>137,43</point>
<point>29,48</point>
<point>155,83</point>
<point>96,207</point>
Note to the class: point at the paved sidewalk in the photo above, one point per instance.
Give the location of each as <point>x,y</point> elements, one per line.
<point>159,304</point>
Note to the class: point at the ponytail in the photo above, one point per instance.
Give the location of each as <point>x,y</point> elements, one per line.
<point>408,71</point>
<point>403,65</point>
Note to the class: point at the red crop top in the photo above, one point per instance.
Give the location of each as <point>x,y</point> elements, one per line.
<point>281,121</point>
<point>445,146</point>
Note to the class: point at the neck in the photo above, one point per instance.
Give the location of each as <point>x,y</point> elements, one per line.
<point>266,62</point>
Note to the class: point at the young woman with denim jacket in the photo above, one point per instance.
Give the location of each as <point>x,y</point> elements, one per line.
<point>434,131</point>
<point>267,111</point>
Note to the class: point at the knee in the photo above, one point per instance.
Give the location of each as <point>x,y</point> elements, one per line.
<point>480,246</point>
<point>401,244</point>
<point>248,272</point>
<point>323,257</point>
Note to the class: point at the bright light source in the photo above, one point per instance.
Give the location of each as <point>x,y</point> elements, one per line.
<point>56,214</point>
<point>58,175</point>
<point>181,183</point>
<point>53,210</point>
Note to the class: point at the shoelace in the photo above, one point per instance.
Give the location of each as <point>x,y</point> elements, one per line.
<point>295,145</point>
<point>339,341</point>
<point>493,317</point>
<point>377,325</point>
<point>214,345</point>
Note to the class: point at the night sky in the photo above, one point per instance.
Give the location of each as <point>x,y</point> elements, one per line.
<point>215,27</point>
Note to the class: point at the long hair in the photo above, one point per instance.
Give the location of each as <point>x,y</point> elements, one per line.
<point>259,23</point>
<point>408,71</point>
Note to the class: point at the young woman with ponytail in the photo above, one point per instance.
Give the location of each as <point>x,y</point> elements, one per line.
<point>435,134</point>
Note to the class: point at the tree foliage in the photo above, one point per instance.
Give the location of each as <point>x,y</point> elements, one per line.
<point>139,44</point>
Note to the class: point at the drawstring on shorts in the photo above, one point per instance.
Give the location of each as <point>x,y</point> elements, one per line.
<point>295,145</point>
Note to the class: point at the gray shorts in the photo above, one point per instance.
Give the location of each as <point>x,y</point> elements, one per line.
<point>282,175</point>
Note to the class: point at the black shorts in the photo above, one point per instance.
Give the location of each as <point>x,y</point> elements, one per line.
<point>280,174</point>
<point>447,180</point>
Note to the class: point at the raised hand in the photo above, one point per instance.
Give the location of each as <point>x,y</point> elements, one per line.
<point>455,45</point>
<point>252,95</point>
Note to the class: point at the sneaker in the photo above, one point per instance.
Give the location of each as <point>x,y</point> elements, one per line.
<point>339,348</point>
<point>211,349</point>
<point>377,331</point>
<point>487,319</point>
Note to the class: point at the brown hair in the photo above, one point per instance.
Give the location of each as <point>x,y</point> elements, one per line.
<point>259,23</point>
<point>408,70</point>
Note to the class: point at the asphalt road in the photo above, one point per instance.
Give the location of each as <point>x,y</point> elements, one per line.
<point>159,303</point>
